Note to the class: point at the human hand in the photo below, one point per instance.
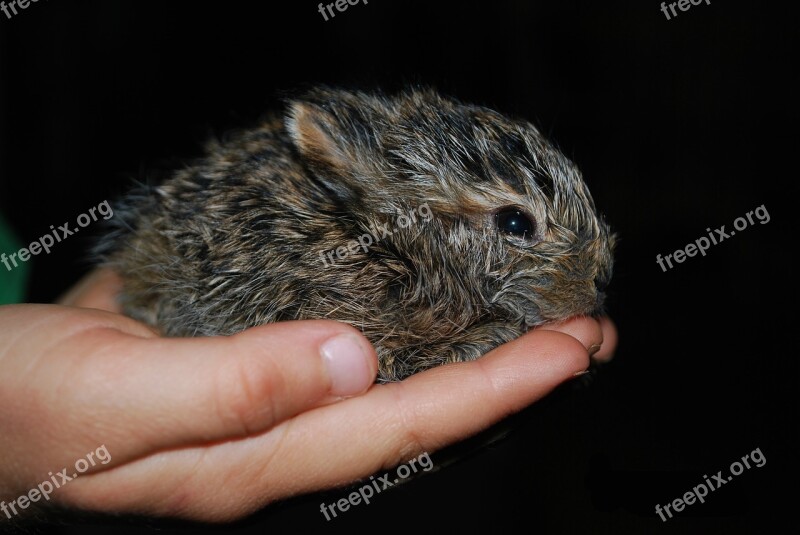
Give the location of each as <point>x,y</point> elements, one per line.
<point>263,414</point>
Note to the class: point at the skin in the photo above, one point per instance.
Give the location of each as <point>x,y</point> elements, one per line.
<point>184,418</point>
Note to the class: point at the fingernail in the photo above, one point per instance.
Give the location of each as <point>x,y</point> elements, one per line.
<point>346,362</point>
<point>577,374</point>
<point>594,348</point>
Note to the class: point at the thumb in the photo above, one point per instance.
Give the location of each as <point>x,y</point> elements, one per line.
<point>177,392</point>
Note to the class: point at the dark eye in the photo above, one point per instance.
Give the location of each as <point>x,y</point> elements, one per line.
<point>515,222</point>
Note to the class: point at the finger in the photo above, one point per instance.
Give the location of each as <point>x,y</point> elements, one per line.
<point>98,289</point>
<point>179,392</point>
<point>338,443</point>
<point>583,328</point>
<point>45,351</point>
<point>610,338</point>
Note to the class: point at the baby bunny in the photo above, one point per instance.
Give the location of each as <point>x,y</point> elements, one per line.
<point>437,228</point>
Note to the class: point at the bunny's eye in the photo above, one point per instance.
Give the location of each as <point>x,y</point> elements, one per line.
<point>515,222</point>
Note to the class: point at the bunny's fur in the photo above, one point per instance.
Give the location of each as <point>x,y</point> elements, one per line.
<point>238,238</point>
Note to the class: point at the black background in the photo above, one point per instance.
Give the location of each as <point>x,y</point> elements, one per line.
<point>678,125</point>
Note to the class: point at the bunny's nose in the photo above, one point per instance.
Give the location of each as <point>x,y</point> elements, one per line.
<point>600,284</point>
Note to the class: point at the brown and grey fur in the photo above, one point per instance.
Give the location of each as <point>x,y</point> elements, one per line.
<point>235,240</point>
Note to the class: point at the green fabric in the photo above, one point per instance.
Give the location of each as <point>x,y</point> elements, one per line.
<point>12,282</point>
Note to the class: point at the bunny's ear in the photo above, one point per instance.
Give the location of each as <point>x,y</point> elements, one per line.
<point>328,142</point>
